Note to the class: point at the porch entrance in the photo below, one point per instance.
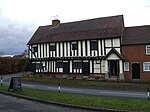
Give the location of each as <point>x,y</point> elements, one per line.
<point>136,71</point>
<point>113,67</point>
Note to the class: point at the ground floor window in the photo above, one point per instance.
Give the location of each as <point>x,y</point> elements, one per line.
<point>146,66</point>
<point>77,65</point>
<point>59,64</point>
<point>126,66</point>
<point>39,65</point>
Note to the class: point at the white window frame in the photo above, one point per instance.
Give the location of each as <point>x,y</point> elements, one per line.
<point>146,67</point>
<point>148,50</point>
<point>126,66</point>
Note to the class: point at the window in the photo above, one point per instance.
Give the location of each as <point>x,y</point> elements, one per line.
<point>74,46</point>
<point>39,65</point>
<point>77,65</point>
<point>52,47</point>
<point>148,50</point>
<point>35,49</point>
<point>126,66</point>
<point>94,45</point>
<point>59,64</point>
<point>146,66</point>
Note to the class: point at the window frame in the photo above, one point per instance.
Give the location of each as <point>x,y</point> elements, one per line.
<point>148,50</point>
<point>126,66</point>
<point>94,45</point>
<point>77,65</point>
<point>74,46</point>
<point>39,65</point>
<point>59,64</point>
<point>52,47</point>
<point>144,66</point>
<point>34,49</point>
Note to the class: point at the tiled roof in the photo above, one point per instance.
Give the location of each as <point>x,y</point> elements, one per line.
<point>136,35</point>
<point>105,27</point>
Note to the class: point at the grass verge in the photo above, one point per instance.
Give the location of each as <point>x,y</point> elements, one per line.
<point>121,85</point>
<point>87,101</point>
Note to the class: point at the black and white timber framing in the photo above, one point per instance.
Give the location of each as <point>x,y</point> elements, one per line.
<point>84,56</point>
<point>47,55</point>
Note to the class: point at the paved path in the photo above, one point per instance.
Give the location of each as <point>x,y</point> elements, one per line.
<point>13,104</point>
<point>82,90</point>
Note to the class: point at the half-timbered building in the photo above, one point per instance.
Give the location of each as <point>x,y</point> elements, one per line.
<point>83,48</point>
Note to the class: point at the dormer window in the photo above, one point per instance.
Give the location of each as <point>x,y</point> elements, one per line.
<point>52,47</point>
<point>94,45</point>
<point>74,46</point>
<point>148,50</point>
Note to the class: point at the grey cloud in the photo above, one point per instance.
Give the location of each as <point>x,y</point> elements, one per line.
<point>14,36</point>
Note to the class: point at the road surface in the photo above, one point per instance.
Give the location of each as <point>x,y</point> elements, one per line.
<point>102,92</point>
<point>13,104</point>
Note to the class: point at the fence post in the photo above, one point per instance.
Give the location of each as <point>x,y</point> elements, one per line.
<point>1,81</point>
<point>147,93</point>
<point>58,87</point>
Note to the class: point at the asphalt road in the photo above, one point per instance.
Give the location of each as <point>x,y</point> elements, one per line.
<point>13,104</point>
<point>102,92</point>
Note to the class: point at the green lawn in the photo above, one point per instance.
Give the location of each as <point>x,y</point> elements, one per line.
<point>89,101</point>
<point>124,85</point>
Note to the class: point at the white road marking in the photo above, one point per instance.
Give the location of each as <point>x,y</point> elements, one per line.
<point>123,93</point>
<point>52,87</point>
<point>28,85</point>
<point>65,89</point>
<point>71,89</point>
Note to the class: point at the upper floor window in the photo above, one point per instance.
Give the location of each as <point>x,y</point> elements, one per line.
<point>52,47</point>
<point>126,66</point>
<point>34,49</point>
<point>146,66</point>
<point>74,46</point>
<point>94,45</point>
<point>148,50</point>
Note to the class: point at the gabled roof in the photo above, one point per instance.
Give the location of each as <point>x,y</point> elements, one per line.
<point>113,50</point>
<point>136,35</point>
<point>105,27</point>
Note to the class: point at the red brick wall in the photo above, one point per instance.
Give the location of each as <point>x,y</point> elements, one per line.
<point>136,54</point>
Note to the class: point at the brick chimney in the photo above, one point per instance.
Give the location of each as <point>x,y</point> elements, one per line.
<point>55,22</point>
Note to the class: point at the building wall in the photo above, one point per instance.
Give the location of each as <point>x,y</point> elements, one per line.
<point>46,59</point>
<point>64,49</point>
<point>136,54</point>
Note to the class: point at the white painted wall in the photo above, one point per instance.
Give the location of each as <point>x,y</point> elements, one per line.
<point>113,57</point>
<point>67,46</point>
<point>88,47</point>
<point>108,43</point>
<point>79,48</point>
<point>116,42</point>
<point>70,66</point>
<point>121,66</point>
<point>83,46</point>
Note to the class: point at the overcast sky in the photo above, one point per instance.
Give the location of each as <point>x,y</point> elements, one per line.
<point>19,19</point>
